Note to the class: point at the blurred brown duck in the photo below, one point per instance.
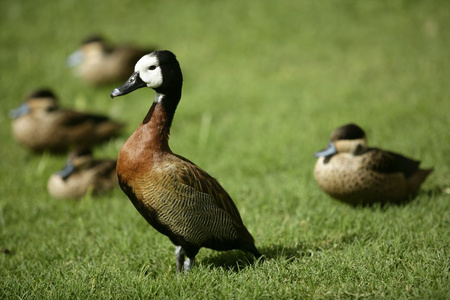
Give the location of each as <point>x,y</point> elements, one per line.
<point>82,174</point>
<point>174,195</point>
<point>97,62</point>
<point>40,124</point>
<point>353,173</point>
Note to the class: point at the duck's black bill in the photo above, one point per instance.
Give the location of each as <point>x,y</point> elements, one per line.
<point>20,111</point>
<point>133,83</point>
<point>328,151</point>
<point>68,170</point>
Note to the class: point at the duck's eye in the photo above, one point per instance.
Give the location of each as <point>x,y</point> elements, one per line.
<point>152,67</point>
<point>50,108</point>
<point>359,148</point>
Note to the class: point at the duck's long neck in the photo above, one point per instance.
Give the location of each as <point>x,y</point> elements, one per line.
<point>156,124</point>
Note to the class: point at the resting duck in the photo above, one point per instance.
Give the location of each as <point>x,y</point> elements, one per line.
<point>353,173</point>
<point>98,63</point>
<point>175,196</point>
<point>82,174</point>
<point>40,125</point>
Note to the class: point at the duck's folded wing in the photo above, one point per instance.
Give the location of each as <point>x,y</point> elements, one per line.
<point>73,118</point>
<point>105,167</point>
<point>191,175</point>
<point>390,162</point>
<point>88,128</point>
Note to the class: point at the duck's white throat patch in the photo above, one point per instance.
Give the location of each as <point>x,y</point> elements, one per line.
<point>149,70</point>
<point>159,97</point>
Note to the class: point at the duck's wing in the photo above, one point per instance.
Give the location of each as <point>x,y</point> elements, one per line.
<point>191,175</point>
<point>105,174</point>
<point>104,167</point>
<point>72,118</point>
<point>389,162</point>
<point>87,128</point>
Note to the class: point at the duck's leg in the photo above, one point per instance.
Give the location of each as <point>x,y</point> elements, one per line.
<point>185,259</point>
<point>188,263</point>
<point>179,256</point>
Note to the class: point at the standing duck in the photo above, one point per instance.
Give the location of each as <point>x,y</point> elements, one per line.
<point>98,63</point>
<point>82,174</point>
<point>353,173</point>
<point>175,196</point>
<point>40,124</point>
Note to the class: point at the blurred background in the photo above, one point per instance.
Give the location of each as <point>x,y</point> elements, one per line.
<point>265,83</point>
<point>285,72</point>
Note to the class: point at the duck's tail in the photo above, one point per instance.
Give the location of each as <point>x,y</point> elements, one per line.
<point>417,179</point>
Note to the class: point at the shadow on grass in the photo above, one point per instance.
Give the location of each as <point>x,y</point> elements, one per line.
<point>237,260</point>
<point>412,199</point>
<point>306,251</point>
<point>234,260</point>
<point>436,190</point>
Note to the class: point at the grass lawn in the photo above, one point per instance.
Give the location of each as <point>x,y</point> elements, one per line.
<point>265,84</point>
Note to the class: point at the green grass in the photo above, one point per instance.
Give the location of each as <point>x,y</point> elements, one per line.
<point>265,84</point>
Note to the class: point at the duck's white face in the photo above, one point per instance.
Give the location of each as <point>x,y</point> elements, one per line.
<point>149,70</point>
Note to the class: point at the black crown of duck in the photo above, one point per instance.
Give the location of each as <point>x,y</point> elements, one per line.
<point>174,195</point>
<point>350,171</point>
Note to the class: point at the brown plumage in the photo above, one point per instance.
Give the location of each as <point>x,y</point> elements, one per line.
<point>174,195</point>
<point>98,62</point>
<point>40,124</point>
<point>353,173</point>
<point>82,174</point>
